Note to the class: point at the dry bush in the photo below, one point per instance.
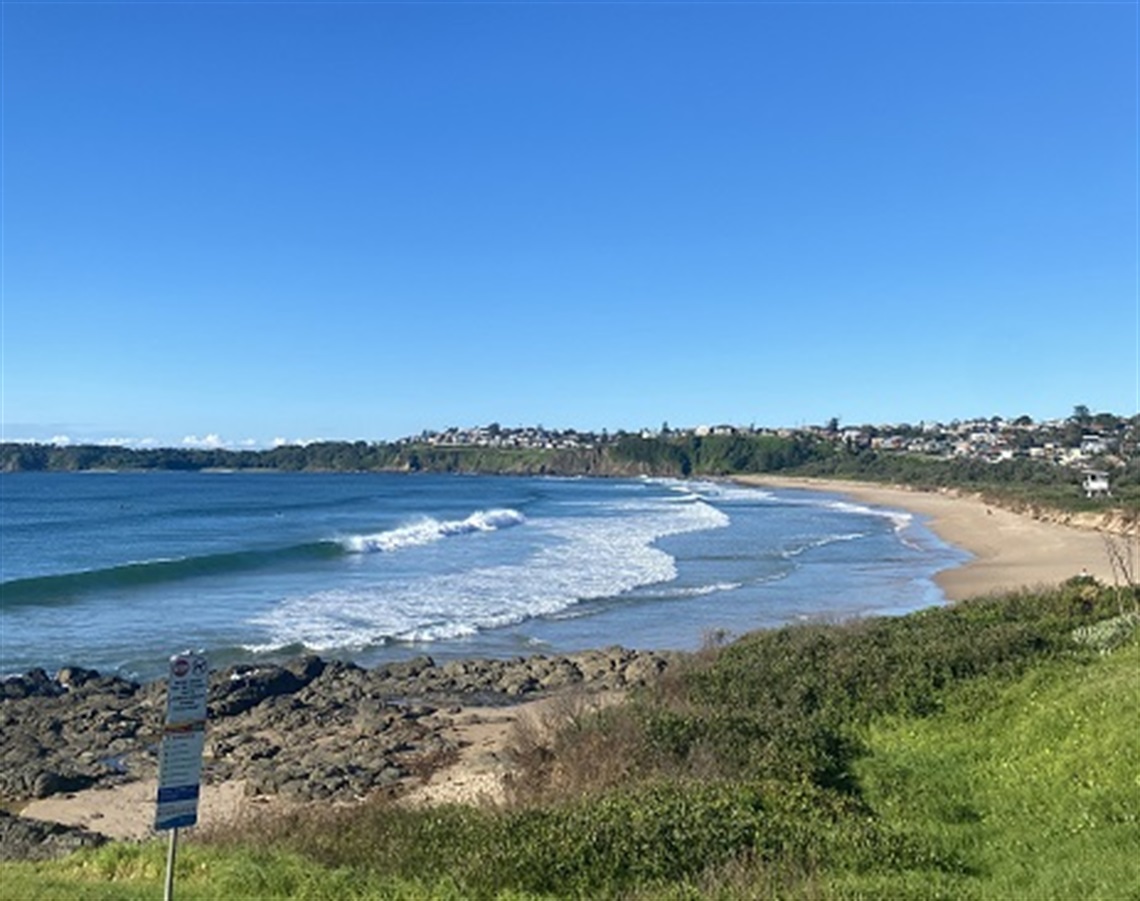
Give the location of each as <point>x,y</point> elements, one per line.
<point>585,743</point>
<point>262,825</point>
<point>1122,553</point>
<point>579,743</point>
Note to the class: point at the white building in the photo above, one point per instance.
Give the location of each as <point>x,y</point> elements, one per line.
<point>1096,484</point>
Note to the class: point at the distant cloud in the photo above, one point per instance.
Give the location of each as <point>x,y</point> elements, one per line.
<point>60,440</point>
<point>296,442</point>
<point>213,441</point>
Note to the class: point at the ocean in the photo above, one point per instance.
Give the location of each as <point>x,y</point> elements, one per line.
<point>117,571</point>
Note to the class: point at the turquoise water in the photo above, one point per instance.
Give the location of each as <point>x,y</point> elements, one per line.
<point>118,570</point>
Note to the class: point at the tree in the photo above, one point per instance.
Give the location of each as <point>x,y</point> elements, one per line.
<point>1081,415</point>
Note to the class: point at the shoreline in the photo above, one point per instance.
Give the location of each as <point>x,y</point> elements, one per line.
<point>467,739</point>
<point>1010,550</point>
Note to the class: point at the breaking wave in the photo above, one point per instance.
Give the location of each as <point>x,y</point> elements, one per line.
<point>586,558</point>
<point>427,530</point>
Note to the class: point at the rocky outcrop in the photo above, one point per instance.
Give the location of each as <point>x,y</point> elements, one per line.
<point>305,730</point>
<point>62,736</point>
<point>22,838</point>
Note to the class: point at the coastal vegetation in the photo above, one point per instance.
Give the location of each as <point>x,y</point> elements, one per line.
<point>981,750</point>
<point>1017,463</point>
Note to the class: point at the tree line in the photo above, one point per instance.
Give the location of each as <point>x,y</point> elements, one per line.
<point>623,455</point>
<point>676,455</point>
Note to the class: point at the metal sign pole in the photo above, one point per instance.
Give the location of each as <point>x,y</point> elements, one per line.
<point>171,850</point>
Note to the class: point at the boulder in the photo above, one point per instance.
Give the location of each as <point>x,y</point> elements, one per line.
<point>22,838</point>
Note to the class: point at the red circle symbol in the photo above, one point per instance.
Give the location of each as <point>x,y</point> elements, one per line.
<point>180,666</point>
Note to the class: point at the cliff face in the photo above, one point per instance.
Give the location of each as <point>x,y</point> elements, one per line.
<point>1115,521</point>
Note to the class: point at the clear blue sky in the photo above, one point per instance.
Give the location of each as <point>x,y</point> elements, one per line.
<point>254,221</point>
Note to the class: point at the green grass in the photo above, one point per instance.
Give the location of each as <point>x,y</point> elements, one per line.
<point>125,872</point>
<point>986,750</point>
<point>1035,786</point>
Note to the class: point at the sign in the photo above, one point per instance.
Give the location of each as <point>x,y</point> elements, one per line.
<point>183,738</point>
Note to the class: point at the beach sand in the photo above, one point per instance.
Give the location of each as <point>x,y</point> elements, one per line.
<point>1010,550</point>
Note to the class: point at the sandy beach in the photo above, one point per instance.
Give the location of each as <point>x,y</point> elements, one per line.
<point>1010,550</point>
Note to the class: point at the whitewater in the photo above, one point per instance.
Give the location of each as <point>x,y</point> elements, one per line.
<point>118,570</point>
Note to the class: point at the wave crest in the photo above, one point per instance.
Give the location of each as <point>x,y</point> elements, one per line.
<point>427,530</point>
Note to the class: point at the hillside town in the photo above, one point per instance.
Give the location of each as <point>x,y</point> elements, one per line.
<point>1083,440</point>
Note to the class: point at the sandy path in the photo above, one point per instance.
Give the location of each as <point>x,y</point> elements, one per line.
<point>127,811</point>
<point>483,735</point>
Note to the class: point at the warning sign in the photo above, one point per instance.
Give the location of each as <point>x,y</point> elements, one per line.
<point>183,738</point>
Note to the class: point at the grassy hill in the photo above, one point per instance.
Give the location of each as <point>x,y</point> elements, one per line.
<point>989,749</point>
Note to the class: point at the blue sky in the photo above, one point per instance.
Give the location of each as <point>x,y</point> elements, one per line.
<point>237,222</point>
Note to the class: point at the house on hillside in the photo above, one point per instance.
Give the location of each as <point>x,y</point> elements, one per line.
<point>1093,445</point>
<point>1096,483</point>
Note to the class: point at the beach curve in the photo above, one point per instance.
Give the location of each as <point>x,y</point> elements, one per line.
<point>1009,550</point>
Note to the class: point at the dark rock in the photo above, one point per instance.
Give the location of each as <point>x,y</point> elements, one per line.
<point>308,668</point>
<point>48,783</point>
<point>72,677</point>
<point>244,687</point>
<point>33,684</point>
<point>110,685</point>
<point>406,669</point>
<point>22,838</point>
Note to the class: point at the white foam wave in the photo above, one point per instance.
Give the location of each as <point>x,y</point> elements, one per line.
<point>698,591</point>
<point>581,558</point>
<point>428,530</point>
<point>718,492</point>
<point>900,518</point>
<point>822,541</point>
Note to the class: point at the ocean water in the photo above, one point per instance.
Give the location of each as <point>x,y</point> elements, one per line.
<point>117,571</point>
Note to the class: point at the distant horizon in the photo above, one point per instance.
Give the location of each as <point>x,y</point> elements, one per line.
<point>230,223</point>
<point>217,442</point>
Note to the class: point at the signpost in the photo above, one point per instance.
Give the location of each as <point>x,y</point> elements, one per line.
<point>180,759</point>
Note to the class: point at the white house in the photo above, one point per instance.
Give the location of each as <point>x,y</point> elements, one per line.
<point>1093,444</point>
<point>1096,484</point>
